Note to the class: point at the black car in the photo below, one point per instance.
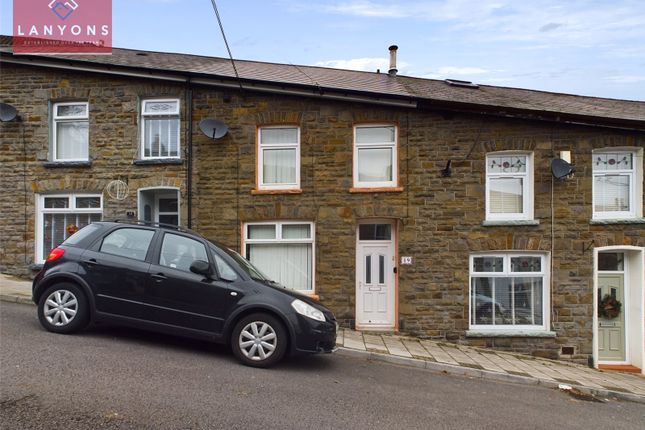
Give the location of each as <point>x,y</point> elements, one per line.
<point>173,280</point>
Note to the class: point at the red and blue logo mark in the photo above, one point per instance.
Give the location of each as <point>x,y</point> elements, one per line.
<point>63,10</point>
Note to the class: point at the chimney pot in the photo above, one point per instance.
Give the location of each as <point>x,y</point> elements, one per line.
<point>393,70</point>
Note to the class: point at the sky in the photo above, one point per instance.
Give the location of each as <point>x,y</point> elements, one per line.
<point>584,47</point>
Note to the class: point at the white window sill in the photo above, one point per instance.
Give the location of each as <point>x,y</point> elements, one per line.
<point>510,222</point>
<point>609,221</point>
<point>510,333</point>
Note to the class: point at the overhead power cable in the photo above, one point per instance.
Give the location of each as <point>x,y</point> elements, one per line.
<point>230,55</point>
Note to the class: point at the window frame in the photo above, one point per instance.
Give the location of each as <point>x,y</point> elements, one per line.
<point>58,119</point>
<point>280,240</point>
<point>527,187</point>
<point>635,179</point>
<point>41,211</point>
<point>260,158</point>
<point>394,146</point>
<point>143,115</point>
<point>508,273</point>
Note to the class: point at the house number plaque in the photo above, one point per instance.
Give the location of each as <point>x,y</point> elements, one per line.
<point>406,261</point>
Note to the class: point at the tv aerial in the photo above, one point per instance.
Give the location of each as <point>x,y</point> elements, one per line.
<point>7,112</point>
<point>213,128</point>
<point>561,168</point>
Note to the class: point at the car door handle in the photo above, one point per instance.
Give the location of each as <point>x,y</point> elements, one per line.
<point>159,277</point>
<point>91,262</point>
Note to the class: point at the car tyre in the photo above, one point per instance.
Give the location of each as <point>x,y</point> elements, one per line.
<point>259,340</point>
<point>63,308</point>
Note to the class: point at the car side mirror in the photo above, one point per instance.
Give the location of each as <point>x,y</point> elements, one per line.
<point>201,267</point>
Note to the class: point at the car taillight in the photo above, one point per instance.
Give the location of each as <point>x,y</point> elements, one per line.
<point>55,254</point>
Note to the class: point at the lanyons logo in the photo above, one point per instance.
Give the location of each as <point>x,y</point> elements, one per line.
<point>63,10</point>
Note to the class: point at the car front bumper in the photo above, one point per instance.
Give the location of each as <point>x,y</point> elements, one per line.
<point>313,336</point>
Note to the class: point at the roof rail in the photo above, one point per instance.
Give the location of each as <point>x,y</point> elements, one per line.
<point>157,224</point>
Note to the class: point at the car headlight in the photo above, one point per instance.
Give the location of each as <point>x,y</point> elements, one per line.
<point>307,310</point>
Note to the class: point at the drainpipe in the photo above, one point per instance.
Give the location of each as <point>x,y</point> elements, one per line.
<point>189,156</point>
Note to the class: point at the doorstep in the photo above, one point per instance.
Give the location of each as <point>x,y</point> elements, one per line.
<point>620,368</point>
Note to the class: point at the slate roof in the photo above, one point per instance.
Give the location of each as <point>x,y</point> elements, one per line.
<point>427,92</point>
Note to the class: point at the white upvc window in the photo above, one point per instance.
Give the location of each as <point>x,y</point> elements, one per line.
<point>160,136</point>
<point>509,186</point>
<point>283,251</point>
<point>279,158</point>
<point>59,215</point>
<point>375,156</point>
<point>509,291</point>
<point>70,131</point>
<point>617,181</point>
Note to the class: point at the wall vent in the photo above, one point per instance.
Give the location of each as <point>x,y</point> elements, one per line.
<point>568,350</point>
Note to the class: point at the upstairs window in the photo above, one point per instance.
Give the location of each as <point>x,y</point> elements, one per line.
<point>509,187</point>
<point>614,184</point>
<point>160,129</point>
<point>279,158</point>
<point>375,156</point>
<point>70,131</point>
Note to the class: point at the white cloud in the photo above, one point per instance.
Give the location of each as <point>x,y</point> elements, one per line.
<point>626,79</point>
<point>367,9</point>
<point>362,64</point>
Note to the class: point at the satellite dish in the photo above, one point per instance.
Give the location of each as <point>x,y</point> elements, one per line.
<point>213,128</point>
<point>7,112</point>
<point>560,168</point>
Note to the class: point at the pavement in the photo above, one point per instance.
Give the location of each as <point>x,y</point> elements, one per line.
<point>448,358</point>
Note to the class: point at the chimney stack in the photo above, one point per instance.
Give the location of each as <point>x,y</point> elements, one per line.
<point>392,71</point>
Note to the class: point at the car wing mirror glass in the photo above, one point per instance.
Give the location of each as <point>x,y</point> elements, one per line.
<point>201,267</point>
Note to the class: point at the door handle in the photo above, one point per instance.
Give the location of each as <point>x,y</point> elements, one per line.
<point>159,277</point>
<point>91,262</point>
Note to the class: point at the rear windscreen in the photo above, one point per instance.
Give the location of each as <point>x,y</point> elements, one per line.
<point>86,231</point>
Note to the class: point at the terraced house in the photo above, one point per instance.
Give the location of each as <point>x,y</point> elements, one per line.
<point>412,205</point>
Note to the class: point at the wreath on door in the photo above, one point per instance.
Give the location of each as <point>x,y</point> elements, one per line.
<point>609,307</point>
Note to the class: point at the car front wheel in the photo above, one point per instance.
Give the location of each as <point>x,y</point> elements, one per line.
<point>259,340</point>
<point>63,308</point>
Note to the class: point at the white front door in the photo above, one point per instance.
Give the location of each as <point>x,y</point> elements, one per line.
<point>375,277</point>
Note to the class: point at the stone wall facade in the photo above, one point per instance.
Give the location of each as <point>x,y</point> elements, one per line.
<point>439,219</point>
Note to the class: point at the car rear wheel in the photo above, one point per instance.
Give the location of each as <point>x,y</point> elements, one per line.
<point>259,340</point>
<point>63,308</point>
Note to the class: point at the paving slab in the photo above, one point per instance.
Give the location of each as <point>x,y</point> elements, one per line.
<point>416,349</point>
<point>438,353</point>
<point>396,347</point>
<point>374,343</point>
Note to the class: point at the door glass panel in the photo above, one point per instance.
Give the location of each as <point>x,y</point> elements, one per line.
<point>169,219</point>
<point>381,269</point>
<point>128,242</point>
<point>368,269</point>
<point>611,261</point>
<point>168,205</point>
<point>374,232</point>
